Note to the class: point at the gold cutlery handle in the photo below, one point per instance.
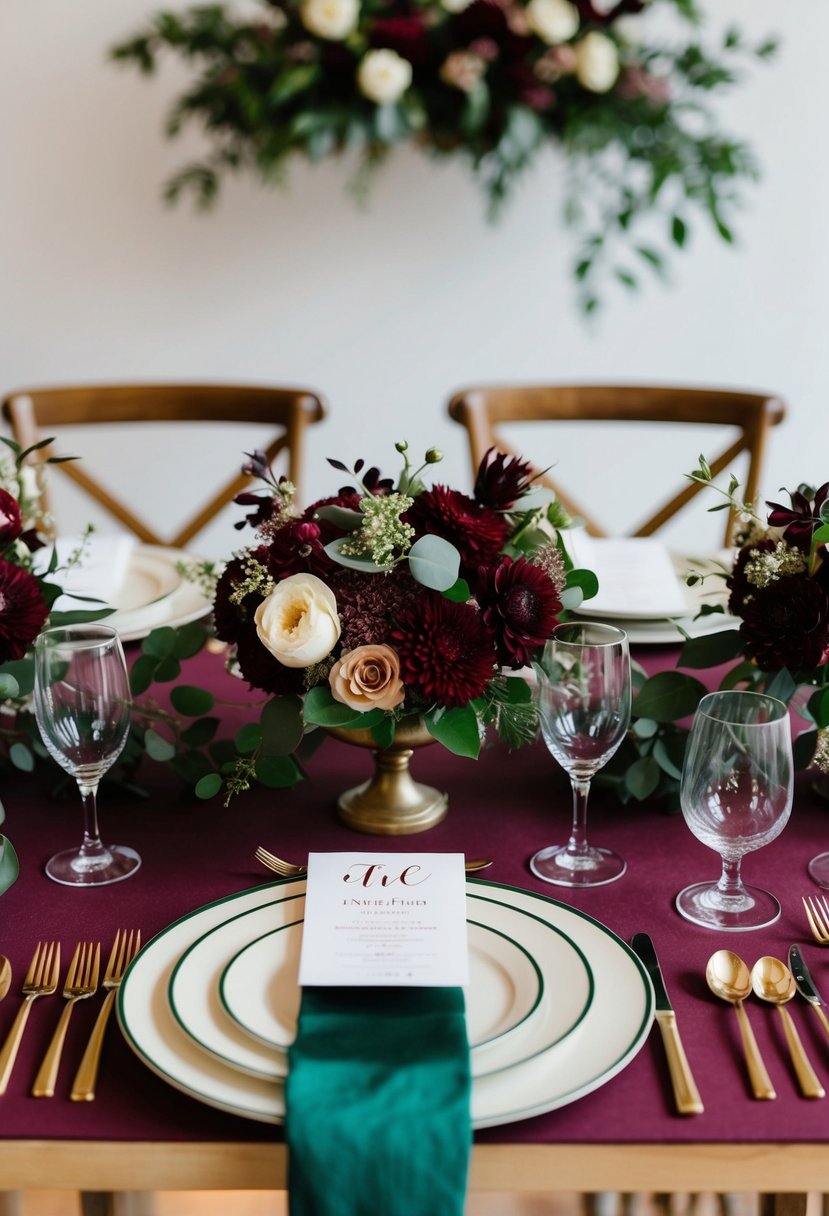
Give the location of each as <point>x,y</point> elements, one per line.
<point>759,1077</point>
<point>8,1055</point>
<point>806,1075</point>
<point>824,1021</point>
<point>44,1086</point>
<point>83,1087</point>
<point>688,1100</point>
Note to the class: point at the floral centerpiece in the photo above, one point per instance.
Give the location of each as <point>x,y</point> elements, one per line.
<point>778,589</point>
<point>494,81</point>
<point>390,602</point>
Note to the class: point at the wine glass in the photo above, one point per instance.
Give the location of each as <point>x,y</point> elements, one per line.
<point>583,698</point>
<point>736,795</point>
<point>82,707</point>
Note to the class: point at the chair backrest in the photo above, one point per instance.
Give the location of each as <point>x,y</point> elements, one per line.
<point>33,413</point>
<point>484,409</point>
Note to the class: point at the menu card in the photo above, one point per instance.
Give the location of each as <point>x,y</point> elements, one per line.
<point>385,919</point>
<point>636,576</point>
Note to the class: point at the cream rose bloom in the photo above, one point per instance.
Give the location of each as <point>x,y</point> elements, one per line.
<point>331,19</point>
<point>597,62</point>
<point>553,20</point>
<point>383,76</point>
<point>367,677</point>
<point>298,622</point>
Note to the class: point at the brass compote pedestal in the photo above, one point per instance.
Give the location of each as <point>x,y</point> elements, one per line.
<point>391,803</point>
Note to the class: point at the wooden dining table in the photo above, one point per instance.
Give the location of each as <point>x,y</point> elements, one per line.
<point>140,1133</point>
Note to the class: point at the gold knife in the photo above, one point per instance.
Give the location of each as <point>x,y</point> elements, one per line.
<point>686,1094</point>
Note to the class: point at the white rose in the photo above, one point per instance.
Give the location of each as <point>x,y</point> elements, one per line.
<point>384,76</point>
<point>298,622</point>
<point>553,20</point>
<point>455,6</point>
<point>597,62</point>
<point>332,19</point>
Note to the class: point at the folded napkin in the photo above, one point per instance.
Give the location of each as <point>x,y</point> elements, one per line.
<point>100,573</point>
<point>377,1103</point>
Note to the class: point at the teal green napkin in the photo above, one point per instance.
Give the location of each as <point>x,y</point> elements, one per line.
<point>377,1103</point>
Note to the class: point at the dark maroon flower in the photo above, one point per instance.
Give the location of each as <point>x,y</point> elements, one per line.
<point>801,519</point>
<point>263,505</point>
<point>10,522</point>
<point>297,548</point>
<point>476,532</point>
<point>407,35</point>
<point>368,603</point>
<point>501,480</point>
<point>23,611</point>
<point>446,650</point>
<point>235,624</point>
<point>738,585</point>
<point>786,624</point>
<point>521,606</point>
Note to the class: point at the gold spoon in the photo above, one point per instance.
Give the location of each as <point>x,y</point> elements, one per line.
<point>728,978</point>
<point>772,981</point>
<point>5,975</point>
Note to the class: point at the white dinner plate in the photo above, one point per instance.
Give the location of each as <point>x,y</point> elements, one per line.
<point>510,951</point>
<point>607,1038</point>
<point>184,602</point>
<point>149,579</point>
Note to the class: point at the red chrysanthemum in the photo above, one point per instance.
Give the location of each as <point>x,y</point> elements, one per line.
<point>10,522</point>
<point>446,650</point>
<point>786,624</point>
<point>521,606</point>
<point>477,533</point>
<point>23,611</point>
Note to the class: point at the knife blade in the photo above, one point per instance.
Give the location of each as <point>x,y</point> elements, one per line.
<point>806,985</point>
<point>686,1094</point>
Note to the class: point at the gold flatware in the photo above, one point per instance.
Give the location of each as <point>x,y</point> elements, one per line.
<point>81,982</point>
<point>686,1094</point>
<point>729,978</point>
<point>5,975</point>
<point>40,980</point>
<point>287,869</point>
<point>772,981</point>
<point>124,950</point>
<point>817,914</point>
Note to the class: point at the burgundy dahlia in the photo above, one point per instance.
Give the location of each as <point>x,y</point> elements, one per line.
<point>786,624</point>
<point>521,605</point>
<point>738,585</point>
<point>501,480</point>
<point>407,35</point>
<point>23,611</point>
<point>446,650</point>
<point>10,522</point>
<point>476,532</point>
<point>801,519</point>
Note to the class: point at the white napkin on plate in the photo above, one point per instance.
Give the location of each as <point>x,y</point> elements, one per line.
<point>101,572</point>
<point>636,574</point>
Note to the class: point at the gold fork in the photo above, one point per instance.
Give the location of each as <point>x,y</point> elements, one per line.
<point>124,950</point>
<point>286,869</point>
<point>81,982</point>
<point>41,980</point>
<point>817,914</point>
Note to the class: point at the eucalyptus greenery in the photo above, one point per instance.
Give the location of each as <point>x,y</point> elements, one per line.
<point>631,112</point>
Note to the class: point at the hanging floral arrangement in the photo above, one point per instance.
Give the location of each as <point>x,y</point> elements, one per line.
<point>493,81</point>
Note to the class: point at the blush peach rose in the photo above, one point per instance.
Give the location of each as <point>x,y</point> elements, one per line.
<point>367,677</point>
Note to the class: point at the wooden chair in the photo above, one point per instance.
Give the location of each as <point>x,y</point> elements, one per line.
<point>484,409</point>
<point>34,413</point>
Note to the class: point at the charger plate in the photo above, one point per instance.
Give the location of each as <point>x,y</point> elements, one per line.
<point>607,1038</point>
<point>510,1016</point>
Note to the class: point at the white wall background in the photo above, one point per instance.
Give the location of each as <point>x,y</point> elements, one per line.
<point>387,310</point>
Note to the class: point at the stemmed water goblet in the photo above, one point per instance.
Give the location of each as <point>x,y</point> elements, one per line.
<point>583,698</point>
<point>82,707</point>
<point>736,796</point>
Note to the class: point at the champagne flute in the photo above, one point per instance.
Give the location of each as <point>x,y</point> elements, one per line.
<point>82,707</point>
<point>736,796</point>
<point>583,698</point>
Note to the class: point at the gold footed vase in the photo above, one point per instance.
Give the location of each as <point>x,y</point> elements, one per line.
<point>392,803</point>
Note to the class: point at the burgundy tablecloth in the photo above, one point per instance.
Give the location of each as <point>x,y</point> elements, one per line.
<point>504,806</point>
